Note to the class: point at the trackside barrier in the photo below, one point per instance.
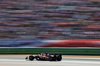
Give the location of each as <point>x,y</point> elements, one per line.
<point>64,51</point>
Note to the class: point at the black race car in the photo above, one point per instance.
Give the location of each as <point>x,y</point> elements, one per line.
<point>45,56</point>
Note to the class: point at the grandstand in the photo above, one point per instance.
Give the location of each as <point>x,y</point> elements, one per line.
<point>49,19</point>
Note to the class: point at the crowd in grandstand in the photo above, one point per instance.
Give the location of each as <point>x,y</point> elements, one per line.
<point>49,19</point>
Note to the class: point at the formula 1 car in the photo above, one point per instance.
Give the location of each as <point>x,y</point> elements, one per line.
<point>45,56</point>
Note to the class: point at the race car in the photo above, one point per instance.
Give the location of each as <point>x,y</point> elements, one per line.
<point>45,56</point>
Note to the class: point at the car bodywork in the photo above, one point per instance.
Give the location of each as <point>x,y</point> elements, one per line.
<point>45,56</point>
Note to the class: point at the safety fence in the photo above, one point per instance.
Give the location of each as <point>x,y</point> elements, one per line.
<point>64,51</point>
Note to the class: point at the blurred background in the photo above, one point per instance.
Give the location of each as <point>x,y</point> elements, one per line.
<point>49,23</point>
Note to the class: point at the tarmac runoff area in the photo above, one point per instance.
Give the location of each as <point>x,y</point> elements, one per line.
<point>19,60</point>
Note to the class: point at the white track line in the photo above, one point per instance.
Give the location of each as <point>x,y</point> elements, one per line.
<point>63,61</point>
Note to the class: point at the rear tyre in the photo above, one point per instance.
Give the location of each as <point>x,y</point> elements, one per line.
<point>59,57</point>
<point>54,58</point>
<point>50,58</point>
<point>31,58</point>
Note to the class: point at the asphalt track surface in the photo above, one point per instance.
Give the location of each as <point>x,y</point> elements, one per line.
<point>18,60</point>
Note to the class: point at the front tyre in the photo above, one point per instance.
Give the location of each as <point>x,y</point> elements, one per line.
<point>37,58</point>
<point>31,58</point>
<point>26,58</point>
